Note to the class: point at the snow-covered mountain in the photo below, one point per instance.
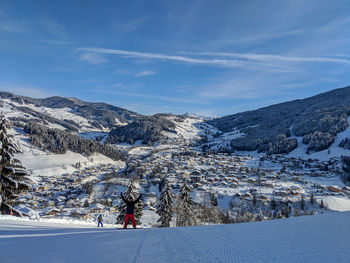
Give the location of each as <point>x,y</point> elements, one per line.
<point>317,120</point>
<point>65,113</point>
<point>275,129</point>
<point>98,121</point>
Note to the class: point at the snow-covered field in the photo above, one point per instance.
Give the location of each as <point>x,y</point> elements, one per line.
<point>321,238</point>
<point>42,163</point>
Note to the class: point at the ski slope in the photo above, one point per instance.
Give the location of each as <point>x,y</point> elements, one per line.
<point>321,238</point>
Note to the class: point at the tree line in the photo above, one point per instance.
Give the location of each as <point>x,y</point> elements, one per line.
<point>58,141</point>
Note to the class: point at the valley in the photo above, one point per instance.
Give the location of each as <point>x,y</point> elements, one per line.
<point>234,186</point>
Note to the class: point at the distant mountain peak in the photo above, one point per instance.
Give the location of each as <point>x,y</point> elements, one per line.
<point>198,116</point>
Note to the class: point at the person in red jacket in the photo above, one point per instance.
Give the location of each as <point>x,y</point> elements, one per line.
<point>130,207</point>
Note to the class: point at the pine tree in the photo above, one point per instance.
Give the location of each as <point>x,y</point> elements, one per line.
<point>14,177</point>
<point>254,199</point>
<point>285,211</point>
<point>273,204</point>
<point>133,191</point>
<point>184,208</point>
<point>302,203</point>
<point>312,198</point>
<point>322,204</point>
<point>260,216</point>
<point>165,205</point>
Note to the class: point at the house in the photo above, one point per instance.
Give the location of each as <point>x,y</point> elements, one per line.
<point>334,189</point>
<point>54,211</point>
<point>97,208</point>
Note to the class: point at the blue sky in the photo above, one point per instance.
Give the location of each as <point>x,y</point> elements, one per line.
<point>205,57</point>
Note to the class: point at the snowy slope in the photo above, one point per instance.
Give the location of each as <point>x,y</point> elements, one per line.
<point>337,203</point>
<point>48,164</point>
<point>63,113</point>
<point>193,128</point>
<point>302,239</point>
<point>188,130</point>
<point>333,151</point>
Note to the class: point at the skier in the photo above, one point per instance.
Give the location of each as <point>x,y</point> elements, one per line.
<point>130,206</point>
<point>100,220</point>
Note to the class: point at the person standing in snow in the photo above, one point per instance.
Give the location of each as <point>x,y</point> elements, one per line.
<point>100,220</point>
<point>130,207</point>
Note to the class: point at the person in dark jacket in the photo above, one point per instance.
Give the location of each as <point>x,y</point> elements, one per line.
<point>130,207</point>
<point>100,220</point>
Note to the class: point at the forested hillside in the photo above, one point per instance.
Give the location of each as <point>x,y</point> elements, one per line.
<point>318,119</point>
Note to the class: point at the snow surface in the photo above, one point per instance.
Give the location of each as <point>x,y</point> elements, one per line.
<point>321,238</point>
<point>336,203</point>
<point>56,164</point>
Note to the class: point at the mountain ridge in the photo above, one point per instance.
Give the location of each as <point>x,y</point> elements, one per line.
<point>323,113</point>
<point>317,119</point>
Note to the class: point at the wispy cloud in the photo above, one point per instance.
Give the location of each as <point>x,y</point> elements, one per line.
<point>133,24</point>
<point>276,58</point>
<point>262,62</point>
<point>55,42</point>
<point>145,73</point>
<point>14,26</point>
<point>92,58</point>
<point>232,63</point>
<point>54,28</point>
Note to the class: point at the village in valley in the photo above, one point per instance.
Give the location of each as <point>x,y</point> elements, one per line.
<point>79,173</point>
<point>243,188</point>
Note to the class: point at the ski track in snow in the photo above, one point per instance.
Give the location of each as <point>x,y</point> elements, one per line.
<point>321,238</point>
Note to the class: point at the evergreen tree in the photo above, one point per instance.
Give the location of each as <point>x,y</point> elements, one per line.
<point>275,214</point>
<point>184,208</point>
<point>162,184</point>
<point>133,191</point>
<point>322,204</point>
<point>285,211</point>
<point>273,204</point>
<point>254,199</point>
<point>165,206</point>
<point>260,216</point>
<point>312,198</point>
<point>302,203</point>
<point>14,177</point>
<point>213,199</point>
